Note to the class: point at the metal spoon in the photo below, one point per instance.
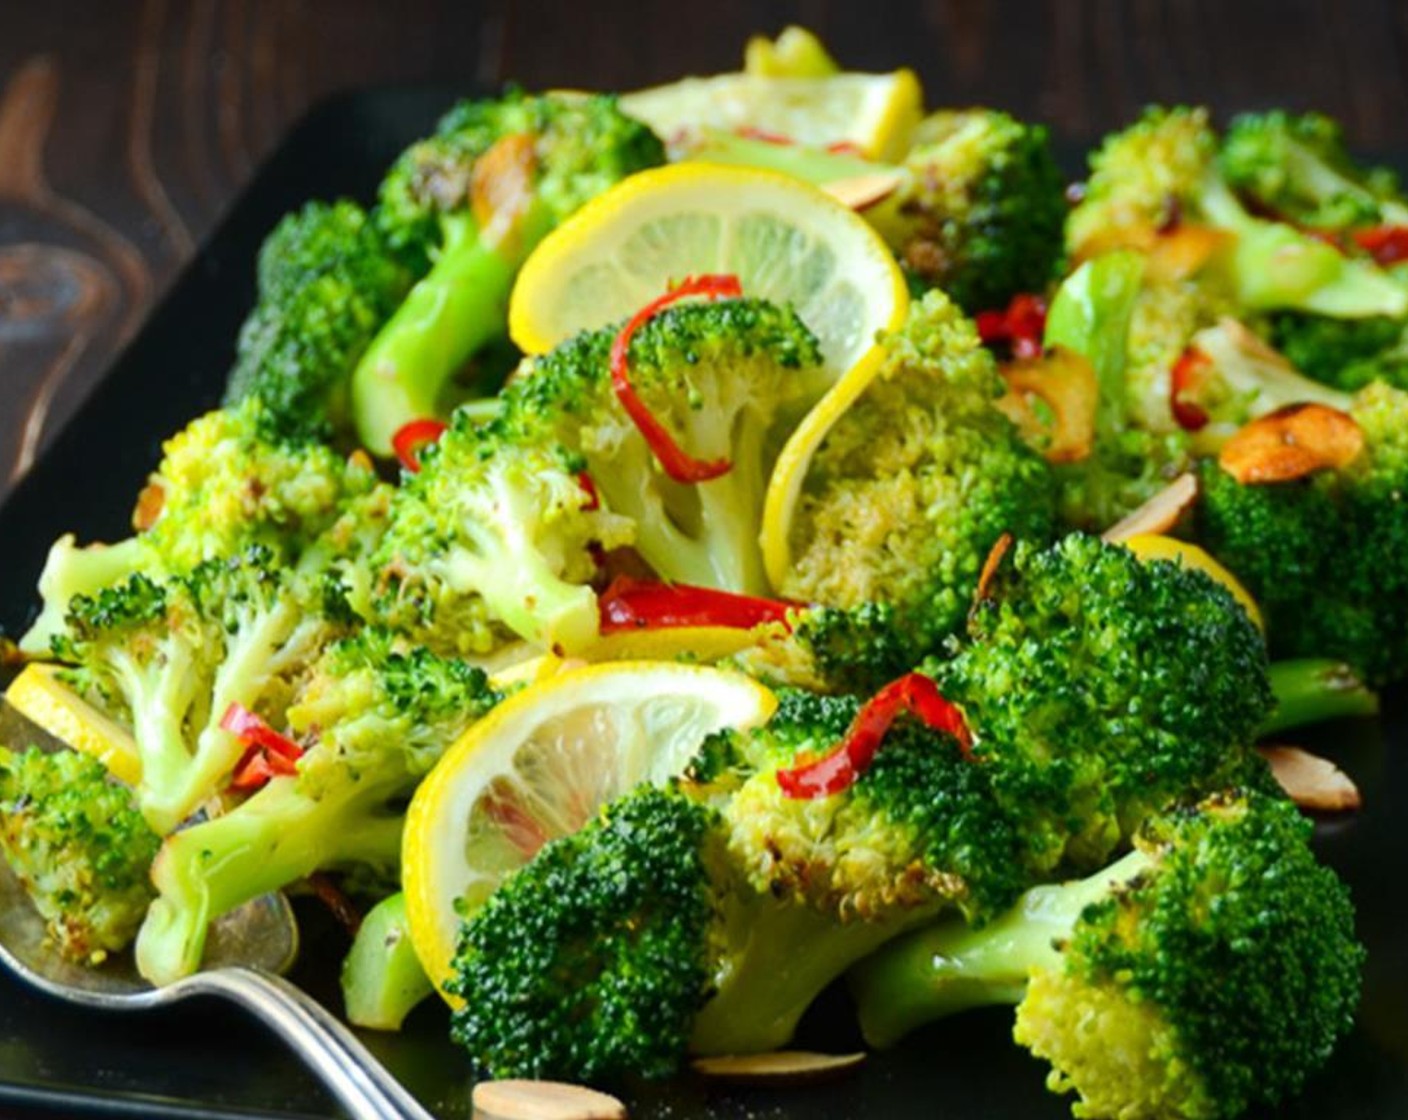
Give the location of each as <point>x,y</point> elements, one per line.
<point>245,955</point>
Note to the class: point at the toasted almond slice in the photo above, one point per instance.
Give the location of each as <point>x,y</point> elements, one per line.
<point>860,192</point>
<point>778,1067</point>
<point>1160,513</point>
<point>501,186</point>
<point>990,566</point>
<point>1064,382</point>
<point>1182,251</point>
<point>543,1100</point>
<point>1290,443</point>
<point>1310,781</point>
<point>150,503</point>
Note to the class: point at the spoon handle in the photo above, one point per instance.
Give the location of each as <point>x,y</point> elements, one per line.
<point>362,1085</point>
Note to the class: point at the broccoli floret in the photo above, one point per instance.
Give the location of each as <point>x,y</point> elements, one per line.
<point>1345,353</point>
<point>1322,555</point>
<point>499,529</point>
<point>167,658</point>
<point>977,209</point>
<point>374,716</point>
<point>327,283</point>
<point>222,486</point>
<point>1295,165</point>
<point>915,483</point>
<point>1213,968</point>
<point>1162,172</point>
<point>855,650</point>
<point>77,844</point>
<point>469,204</point>
<point>1098,686</point>
<point>667,924</point>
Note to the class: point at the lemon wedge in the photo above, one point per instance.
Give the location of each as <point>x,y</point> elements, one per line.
<point>1156,546</point>
<point>795,53</point>
<point>540,765</point>
<point>788,242</point>
<point>41,697</point>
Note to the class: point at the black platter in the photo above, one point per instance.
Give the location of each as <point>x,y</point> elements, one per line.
<point>205,1060</point>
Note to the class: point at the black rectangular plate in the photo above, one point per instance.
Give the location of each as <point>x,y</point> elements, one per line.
<point>205,1060</point>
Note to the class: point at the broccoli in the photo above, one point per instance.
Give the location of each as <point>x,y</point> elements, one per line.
<point>1322,555</point>
<point>327,283</point>
<point>1295,166</point>
<point>498,528</point>
<point>222,486</point>
<point>468,204</point>
<point>1347,354</point>
<point>977,210</point>
<point>1211,969</point>
<point>854,650</point>
<point>666,924</point>
<point>915,483</point>
<point>1161,173</point>
<point>373,716</point>
<point>79,848</point>
<point>168,657</point>
<point>1099,686</point>
<point>382,978</point>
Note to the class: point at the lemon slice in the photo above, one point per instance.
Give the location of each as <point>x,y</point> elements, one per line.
<point>788,242</point>
<point>877,113</point>
<point>1155,546</point>
<point>43,699</point>
<point>540,765</point>
<point>703,644</point>
<point>795,53</point>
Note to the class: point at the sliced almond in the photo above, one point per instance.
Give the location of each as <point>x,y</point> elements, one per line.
<point>1310,781</point>
<point>1160,513</point>
<point>1291,443</point>
<point>860,192</point>
<point>990,566</point>
<point>1182,251</point>
<point>150,503</point>
<point>778,1067</point>
<point>1064,382</point>
<point>501,187</point>
<point>543,1100</point>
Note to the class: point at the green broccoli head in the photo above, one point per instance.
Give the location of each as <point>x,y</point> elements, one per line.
<point>918,828</point>
<point>1347,354</point>
<point>916,481</point>
<point>1099,686</point>
<point>855,650</point>
<point>1219,977</point>
<point>79,847</point>
<point>593,959</point>
<point>327,282</point>
<point>982,212</point>
<point>1295,165</point>
<point>1321,554</point>
<point>372,714</point>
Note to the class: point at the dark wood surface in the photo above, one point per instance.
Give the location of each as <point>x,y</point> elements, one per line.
<point>127,127</point>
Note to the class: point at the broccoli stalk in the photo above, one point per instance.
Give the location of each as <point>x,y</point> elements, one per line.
<point>382,978</point>
<point>1211,969</point>
<point>1313,689</point>
<point>376,717</point>
<point>468,204</point>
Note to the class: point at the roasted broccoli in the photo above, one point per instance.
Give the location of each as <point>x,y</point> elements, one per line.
<point>1161,173</point>
<point>1295,166</point>
<point>372,718</point>
<point>327,283</point>
<point>468,204</point>
<point>852,650</point>
<point>1322,554</point>
<point>1211,969</point>
<point>915,483</point>
<point>1099,686</point>
<point>78,846</point>
<point>1345,353</point>
<point>499,528</point>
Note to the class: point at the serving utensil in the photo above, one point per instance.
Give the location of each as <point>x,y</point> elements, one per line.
<point>247,952</point>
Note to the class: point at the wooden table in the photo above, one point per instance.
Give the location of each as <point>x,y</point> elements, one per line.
<point>126,128</point>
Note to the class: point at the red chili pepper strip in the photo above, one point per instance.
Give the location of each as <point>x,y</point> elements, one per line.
<point>1386,244</point>
<point>845,148</point>
<point>748,132</point>
<point>1022,324</point>
<point>584,480</point>
<point>412,437</point>
<point>268,752</point>
<point>1187,378</point>
<point>678,464</point>
<point>634,604</point>
<point>837,770</point>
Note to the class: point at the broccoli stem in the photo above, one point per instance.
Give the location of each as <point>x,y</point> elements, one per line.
<point>1310,690</point>
<point>382,978</point>
<point>70,571</point>
<point>456,308</point>
<point>950,966</point>
<point>277,837</point>
<point>783,956</point>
